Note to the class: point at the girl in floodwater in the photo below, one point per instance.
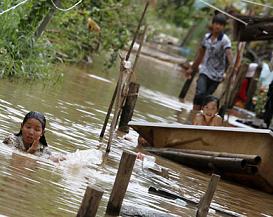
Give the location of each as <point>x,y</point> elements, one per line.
<point>31,137</point>
<point>208,116</point>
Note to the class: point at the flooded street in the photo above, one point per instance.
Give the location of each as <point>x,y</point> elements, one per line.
<point>75,110</point>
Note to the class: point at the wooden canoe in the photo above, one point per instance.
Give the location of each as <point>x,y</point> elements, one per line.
<point>244,155</point>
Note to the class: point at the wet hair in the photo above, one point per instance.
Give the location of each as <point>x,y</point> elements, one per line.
<point>41,118</point>
<point>220,18</point>
<point>211,98</point>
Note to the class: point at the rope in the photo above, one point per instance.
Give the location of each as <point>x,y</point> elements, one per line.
<point>223,12</point>
<point>67,9</point>
<point>13,7</point>
<point>256,3</point>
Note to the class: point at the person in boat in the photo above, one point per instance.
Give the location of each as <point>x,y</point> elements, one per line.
<point>31,137</point>
<point>214,53</point>
<point>208,116</point>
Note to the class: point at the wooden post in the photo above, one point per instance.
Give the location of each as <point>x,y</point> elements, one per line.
<point>204,204</point>
<point>128,109</point>
<point>187,86</point>
<point>90,202</point>
<point>121,183</point>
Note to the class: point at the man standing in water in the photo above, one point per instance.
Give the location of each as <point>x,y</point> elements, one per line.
<point>214,53</point>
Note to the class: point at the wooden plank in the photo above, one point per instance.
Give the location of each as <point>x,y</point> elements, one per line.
<point>144,124</point>
<point>90,202</point>
<point>121,183</point>
<point>258,28</point>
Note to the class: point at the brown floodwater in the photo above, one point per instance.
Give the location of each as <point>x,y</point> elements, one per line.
<point>75,110</point>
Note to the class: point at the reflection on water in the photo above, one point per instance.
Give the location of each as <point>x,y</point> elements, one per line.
<point>75,110</point>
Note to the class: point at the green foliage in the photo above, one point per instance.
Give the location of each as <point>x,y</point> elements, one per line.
<point>67,37</point>
<point>179,12</point>
<point>21,55</point>
<point>73,42</point>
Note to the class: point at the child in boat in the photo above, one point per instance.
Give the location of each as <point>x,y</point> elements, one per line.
<point>31,137</point>
<point>208,116</point>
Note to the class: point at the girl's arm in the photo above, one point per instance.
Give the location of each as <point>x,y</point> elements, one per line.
<point>9,140</point>
<point>218,121</point>
<point>198,119</point>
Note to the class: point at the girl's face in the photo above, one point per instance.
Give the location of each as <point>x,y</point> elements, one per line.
<point>217,27</point>
<point>31,130</point>
<point>210,109</point>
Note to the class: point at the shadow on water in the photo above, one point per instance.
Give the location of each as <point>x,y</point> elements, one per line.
<point>75,111</point>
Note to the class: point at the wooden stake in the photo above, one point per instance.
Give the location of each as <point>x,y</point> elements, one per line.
<point>121,183</point>
<point>204,204</point>
<point>90,202</point>
<point>128,109</point>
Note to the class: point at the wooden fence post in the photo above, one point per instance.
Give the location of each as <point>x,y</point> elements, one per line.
<point>204,204</point>
<point>121,183</point>
<point>128,109</point>
<point>90,202</point>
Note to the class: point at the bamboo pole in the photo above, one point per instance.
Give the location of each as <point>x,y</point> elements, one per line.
<point>204,204</point>
<point>90,202</point>
<point>118,104</point>
<point>127,58</point>
<point>109,112</point>
<point>250,159</point>
<point>129,101</point>
<point>121,183</point>
<point>138,28</point>
<point>140,47</point>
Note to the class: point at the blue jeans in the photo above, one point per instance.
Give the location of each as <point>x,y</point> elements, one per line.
<point>205,86</point>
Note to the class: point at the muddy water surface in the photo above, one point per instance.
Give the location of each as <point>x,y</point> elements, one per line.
<point>75,110</point>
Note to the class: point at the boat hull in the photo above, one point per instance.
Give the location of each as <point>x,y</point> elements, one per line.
<point>216,139</point>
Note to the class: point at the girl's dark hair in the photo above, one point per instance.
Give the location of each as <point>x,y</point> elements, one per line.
<point>41,118</point>
<point>211,98</point>
<point>220,18</point>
